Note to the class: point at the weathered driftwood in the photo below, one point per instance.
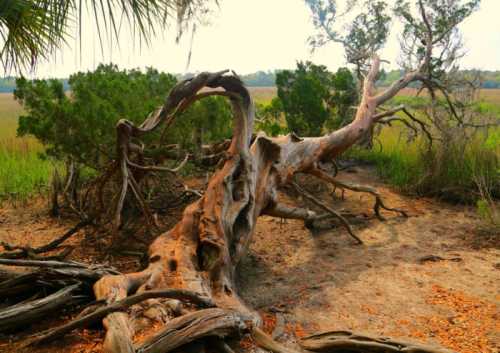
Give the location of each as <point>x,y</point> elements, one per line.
<point>69,283</point>
<point>121,305</point>
<point>6,274</point>
<point>348,342</point>
<point>16,252</point>
<point>193,326</point>
<point>26,313</point>
<point>201,252</point>
<point>55,274</point>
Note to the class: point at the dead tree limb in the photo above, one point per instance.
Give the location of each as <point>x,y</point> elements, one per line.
<point>201,253</point>
<point>379,203</point>
<point>15,252</point>
<point>25,313</point>
<point>193,326</point>
<point>345,341</point>
<point>330,210</point>
<point>121,305</point>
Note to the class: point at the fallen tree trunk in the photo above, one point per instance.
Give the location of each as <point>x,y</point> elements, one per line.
<point>25,313</point>
<point>349,342</point>
<point>201,253</point>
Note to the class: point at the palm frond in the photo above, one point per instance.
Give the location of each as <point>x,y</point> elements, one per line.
<point>32,29</point>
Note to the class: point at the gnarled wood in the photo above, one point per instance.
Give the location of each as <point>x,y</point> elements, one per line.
<point>348,342</point>
<point>193,326</point>
<point>25,313</point>
<point>201,252</point>
<point>119,306</point>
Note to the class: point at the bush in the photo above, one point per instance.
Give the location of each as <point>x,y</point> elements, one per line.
<point>314,99</point>
<point>270,118</point>
<point>80,125</point>
<point>459,157</point>
<point>207,121</point>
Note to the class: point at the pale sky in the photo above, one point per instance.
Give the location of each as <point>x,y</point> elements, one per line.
<point>248,36</point>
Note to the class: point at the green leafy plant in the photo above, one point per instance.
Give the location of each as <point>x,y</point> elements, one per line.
<point>33,30</point>
<point>313,98</point>
<point>270,118</point>
<point>80,125</point>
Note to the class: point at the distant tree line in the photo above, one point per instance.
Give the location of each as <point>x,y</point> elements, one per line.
<point>489,79</point>
<point>257,79</point>
<point>7,84</point>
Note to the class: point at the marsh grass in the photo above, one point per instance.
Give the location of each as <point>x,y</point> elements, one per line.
<point>23,172</point>
<point>406,164</point>
<point>449,170</point>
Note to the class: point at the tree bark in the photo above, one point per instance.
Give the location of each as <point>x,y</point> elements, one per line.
<point>201,253</point>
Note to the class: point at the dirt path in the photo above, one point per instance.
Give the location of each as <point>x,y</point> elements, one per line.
<point>304,283</point>
<point>326,282</point>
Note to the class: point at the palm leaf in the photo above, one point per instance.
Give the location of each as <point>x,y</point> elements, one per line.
<point>32,29</point>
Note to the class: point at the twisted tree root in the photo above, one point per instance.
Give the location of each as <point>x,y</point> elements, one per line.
<point>194,326</point>
<point>120,305</point>
<point>201,253</point>
<point>24,313</point>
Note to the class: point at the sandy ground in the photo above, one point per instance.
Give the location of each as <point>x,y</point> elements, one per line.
<point>320,282</point>
<point>303,282</point>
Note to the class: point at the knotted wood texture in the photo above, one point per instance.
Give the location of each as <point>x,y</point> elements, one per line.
<point>201,253</point>
<point>349,342</point>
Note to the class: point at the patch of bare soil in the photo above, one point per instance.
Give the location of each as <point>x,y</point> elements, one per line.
<point>432,277</point>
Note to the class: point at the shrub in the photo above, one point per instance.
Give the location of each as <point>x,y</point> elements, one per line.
<point>270,118</point>
<point>460,155</point>
<point>81,124</point>
<point>313,98</point>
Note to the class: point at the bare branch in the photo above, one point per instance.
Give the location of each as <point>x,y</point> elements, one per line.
<point>334,213</point>
<point>120,305</point>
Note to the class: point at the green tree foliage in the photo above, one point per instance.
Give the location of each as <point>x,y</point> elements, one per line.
<point>439,26</point>
<point>362,35</point>
<point>304,94</point>
<point>343,97</point>
<point>81,124</point>
<point>206,121</point>
<point>269,118</point>
<point>313,98</point>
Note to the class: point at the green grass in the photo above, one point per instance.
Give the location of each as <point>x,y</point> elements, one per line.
<point>263,95</point>
<point>449,170</point>
<point>22,171</point>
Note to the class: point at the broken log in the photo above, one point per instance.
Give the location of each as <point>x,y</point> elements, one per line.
<point>121,305</point>
<point>26,313</point>
<point>348,342</point>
